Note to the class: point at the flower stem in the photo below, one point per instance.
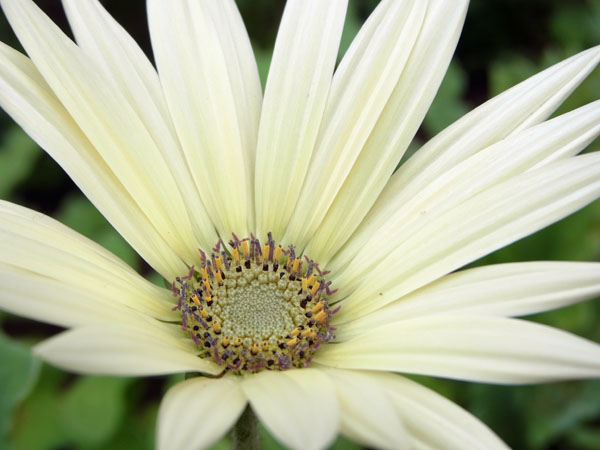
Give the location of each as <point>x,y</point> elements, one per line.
<point>245,432</point>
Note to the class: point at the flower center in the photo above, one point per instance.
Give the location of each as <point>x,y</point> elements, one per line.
<point>255,307</point>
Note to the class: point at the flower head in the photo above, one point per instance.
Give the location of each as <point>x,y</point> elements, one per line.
<point>304,270</point>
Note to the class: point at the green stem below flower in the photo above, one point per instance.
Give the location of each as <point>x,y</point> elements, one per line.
<point>244,435</point>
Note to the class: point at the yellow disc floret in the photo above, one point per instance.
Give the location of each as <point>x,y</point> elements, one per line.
<point>255,307</point>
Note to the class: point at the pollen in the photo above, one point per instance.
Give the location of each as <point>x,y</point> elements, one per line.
<point>255,307</point>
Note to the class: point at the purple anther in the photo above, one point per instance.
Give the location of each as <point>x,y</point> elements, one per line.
<point>236,366</point>
<point>202,255</point>
<point>257,366</point>
<point>197,341</point>
<point>184,320</point>
<point>190,274</point>
<point>225,260</point>
<point>217,248</point>
<point>216,355</point>
<point>292,252</point>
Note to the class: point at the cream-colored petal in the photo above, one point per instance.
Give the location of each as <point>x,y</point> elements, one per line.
<point>28,99</point>
<point>297,88</point>
<point>368,416</point>
<point>402,115</point>
<point>42,248</point>
<point>490,220</point>
<point>198,72</point>
<point>520,107</point>
<point>48,300</point>
<point>197,412</point>
<point>243,72</point>
<point>121,60</point>
<point>555,139</point>
<point>423,410</point>
<point>476,348</point>
<point>499,290</point>
<point>108,121</point>
<point>124,350</point>
<point>298,406</point>
<point>361,87</point>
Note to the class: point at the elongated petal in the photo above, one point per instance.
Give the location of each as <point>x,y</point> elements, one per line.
<point>498,290</point>
<point>123,350</point>
<point>122,61</point>
<point>361,87</point>
<point>368,416</point>
<point>520,107</point>
<point>197,412</point>
<point>28,99</point>
<point>198,72</point>
<point>295,97</point>
<point>394,129</point>
<point>422,410</point>
<point>48,300</point>
<point>299,407</point>
<point>44,251</point>
<point>555,139</point>
<point>108,121</point>
<point>490,220</point>
<point>477,348</point>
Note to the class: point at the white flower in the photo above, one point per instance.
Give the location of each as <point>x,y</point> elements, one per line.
<point>178,159</point>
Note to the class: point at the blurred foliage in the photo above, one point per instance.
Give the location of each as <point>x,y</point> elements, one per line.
<point>504,41</point>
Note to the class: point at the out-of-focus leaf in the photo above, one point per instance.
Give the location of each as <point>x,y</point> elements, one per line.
<point>137,432</point>
<point>351,27</point>
<point>18,154</point>
<point>559,409</point>
<point>341,443</point>
<point>38,426</point>
<point>263,62</point>
<point>448,105</point>
<point>19,371</point>
<point>508,72</point>
<point>92,410</point>
<point>78,213</point>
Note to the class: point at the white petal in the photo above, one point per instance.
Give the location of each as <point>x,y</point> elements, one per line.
<point>394,129</point>
<point>299,406</point>
<point>41,249</point>
<point>368,415</point>
<point>197,412</point>
<point>422,410</point>
<point>499,290</point>
<point>520,107</point>
<point>198,72</point>
<point>48,300</point>
<point>478,348</point>
<point>295,97</point>
<point>121,60</point>
<point>555,139</point>
<point>108,121</point>
<point>361,87</point>
<point>29,100</point>
<point>124,350</point>
<point>488,221</point>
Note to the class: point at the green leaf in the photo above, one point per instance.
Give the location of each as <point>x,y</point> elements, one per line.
<point>37,427</point>
<point>18,374</point>
<point>18,154</point>
<point>447,106</point>
<point>78,213</point>
<point>93,409</point>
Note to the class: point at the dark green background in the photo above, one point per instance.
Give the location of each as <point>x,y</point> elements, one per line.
<point>504,41</point>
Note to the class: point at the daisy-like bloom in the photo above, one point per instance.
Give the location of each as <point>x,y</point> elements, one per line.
<point>304,271</point>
